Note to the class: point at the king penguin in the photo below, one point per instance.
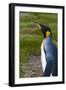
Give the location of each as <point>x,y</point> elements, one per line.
<point>49,55</point>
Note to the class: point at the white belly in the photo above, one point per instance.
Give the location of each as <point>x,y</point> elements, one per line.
<point>43,59</point>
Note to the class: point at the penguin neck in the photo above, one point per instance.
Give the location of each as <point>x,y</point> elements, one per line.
<point>47,40</point>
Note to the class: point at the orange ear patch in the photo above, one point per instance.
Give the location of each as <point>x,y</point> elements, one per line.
<point>47,33</point>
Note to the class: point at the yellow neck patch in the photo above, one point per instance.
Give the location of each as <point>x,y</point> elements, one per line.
<point>47,33</point>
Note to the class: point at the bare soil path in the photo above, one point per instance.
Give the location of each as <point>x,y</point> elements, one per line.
<point>32,68</point>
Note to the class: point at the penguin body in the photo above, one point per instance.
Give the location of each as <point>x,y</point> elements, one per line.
<point>50,51</point>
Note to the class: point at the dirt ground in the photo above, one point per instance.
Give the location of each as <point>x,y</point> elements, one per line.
<point>32,68</point>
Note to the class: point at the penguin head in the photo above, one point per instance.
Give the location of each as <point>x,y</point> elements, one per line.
<point>46,31</point>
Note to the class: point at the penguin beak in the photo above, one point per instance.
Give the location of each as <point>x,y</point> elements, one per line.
<point>38,25</point>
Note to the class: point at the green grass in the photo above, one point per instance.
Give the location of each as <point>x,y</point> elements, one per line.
<point>30,37</point>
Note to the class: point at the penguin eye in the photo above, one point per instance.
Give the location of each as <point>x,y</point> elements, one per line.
<point>47,33</point>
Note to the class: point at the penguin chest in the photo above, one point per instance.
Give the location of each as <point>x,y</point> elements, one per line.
<point>43,58</point>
